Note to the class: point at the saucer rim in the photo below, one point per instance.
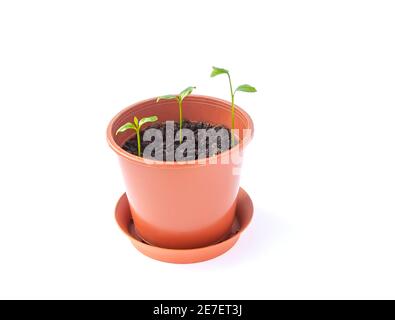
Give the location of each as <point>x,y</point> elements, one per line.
<point>242,194</point>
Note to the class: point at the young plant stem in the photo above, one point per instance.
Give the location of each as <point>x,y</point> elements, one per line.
<point>179,98</point>
<point>233,110</point>
<point>180,108</point>
<point>138,142</point>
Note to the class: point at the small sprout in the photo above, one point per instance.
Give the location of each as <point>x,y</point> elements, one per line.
<point>180,97</point>
<point>136,126</point>
<point>242,88</point>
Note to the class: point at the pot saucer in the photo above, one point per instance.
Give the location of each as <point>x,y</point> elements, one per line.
<point>244,214</point>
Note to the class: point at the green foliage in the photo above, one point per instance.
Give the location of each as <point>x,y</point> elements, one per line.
<point>245,88</point>
<point>186,92</point>
<point>217,71</point>
<point>147,119</point>
<point>125,127</point>
<point>166,97</point>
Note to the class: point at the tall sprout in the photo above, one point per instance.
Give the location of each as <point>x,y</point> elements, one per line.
<point>244,88</point>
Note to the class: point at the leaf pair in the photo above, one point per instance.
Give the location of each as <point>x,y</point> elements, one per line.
<point>180,97</point>
<point>137,124</point>
<point>244,87</point>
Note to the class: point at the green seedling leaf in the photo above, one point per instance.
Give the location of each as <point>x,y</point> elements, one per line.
<point>245,88</point>
<point>167,97</point>
<point>136,122</point>
<point>147,119</point>
<point>126,126</point>
<point>217,71</point>
<point>186,92</point>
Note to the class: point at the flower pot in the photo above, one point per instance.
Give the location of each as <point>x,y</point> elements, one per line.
<point>182,205</point>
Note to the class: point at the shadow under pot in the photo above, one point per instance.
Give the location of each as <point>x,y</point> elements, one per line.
<point>187,204</point>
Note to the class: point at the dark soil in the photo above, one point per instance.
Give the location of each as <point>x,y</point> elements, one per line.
<point>203,146</point>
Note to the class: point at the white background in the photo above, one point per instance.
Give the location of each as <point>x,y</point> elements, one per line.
<point>321,169</point>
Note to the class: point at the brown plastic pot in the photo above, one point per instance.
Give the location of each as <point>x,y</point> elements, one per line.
<point>182,205</point>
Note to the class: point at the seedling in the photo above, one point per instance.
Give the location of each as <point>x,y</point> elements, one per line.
<point>136,126</point>
<point>243,87</point>
<point>180,97</point>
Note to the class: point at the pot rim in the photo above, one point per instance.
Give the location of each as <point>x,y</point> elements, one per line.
<point>217,103</point>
